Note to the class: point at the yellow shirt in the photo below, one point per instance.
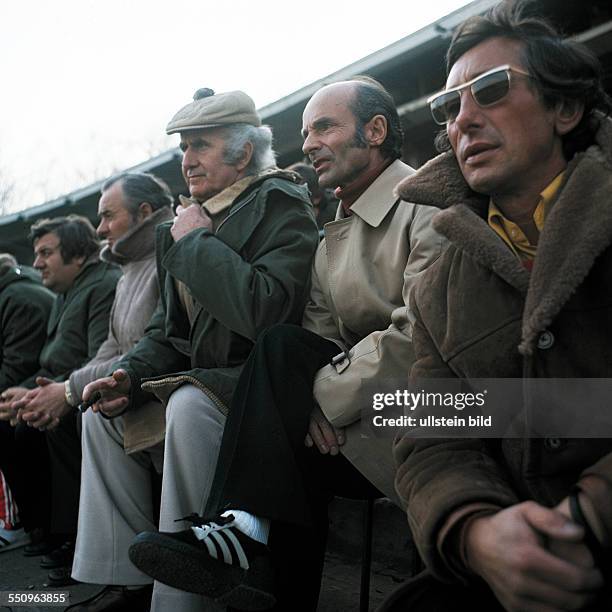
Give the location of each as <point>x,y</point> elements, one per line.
<point>512,234</point>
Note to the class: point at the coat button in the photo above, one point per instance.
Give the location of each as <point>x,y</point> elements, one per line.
<point>546,340</point>
<point>553,444</point>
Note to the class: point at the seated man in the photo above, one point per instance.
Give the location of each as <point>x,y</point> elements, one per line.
<point>356,326</point>
<point>67,256</point>
<point>25,306</point>
<point>235,261</point>
<point>130,208</point>
<point>522,292</point>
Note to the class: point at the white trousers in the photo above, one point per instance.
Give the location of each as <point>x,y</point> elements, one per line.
<point>116,497</point>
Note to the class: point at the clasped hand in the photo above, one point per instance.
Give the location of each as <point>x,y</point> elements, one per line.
<point>114,393</point>
<point>533,558</point>
<point>8,411</point>
<point>323,435</point>
<point>41,407</point>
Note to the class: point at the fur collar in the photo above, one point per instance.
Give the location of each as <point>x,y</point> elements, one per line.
<point>578,229</point>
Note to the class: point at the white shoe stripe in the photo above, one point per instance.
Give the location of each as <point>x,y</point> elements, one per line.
<point>213,534</point>
<point>227,555</point>
<point>212,551</point>
<point>242,558</point>
<point>211,548</point>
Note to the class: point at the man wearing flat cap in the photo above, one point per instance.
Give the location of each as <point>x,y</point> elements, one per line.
<point>235,260</point>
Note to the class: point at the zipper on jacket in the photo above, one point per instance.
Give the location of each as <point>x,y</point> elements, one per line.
<point>233,212</point>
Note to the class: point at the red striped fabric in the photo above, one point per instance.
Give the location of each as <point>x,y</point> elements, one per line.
<point>9,516</point>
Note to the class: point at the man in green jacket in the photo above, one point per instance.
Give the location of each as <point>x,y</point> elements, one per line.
<point>66,254</point>
<point>25,306</point>
<point>24,311</point>
<point>235,261</point>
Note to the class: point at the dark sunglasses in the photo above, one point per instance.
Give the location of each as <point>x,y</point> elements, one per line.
<point>486,89</point>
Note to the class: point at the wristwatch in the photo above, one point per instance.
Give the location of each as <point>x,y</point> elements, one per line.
<point>68,394</point>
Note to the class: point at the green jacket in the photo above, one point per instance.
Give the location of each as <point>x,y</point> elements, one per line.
<point>25,306</point>
<point>79,321</point>
<point>252,272</point>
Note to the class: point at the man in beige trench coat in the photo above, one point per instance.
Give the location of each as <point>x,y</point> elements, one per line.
<point>356,326</point>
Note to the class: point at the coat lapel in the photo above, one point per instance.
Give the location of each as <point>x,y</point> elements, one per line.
<point>57,312</point>
<point>472,234</point>
<point>440,183</point>
<point>374,204</point>
<point>55,315</point>
<point>577,230</point>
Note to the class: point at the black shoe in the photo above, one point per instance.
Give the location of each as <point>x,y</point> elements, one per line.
<point>59,557</point>
<point>60,576</point>
<point>42,544</point>
<point>212,558</point>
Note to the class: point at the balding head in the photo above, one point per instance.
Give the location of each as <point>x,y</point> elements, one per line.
<point>349,128</point>
<point>344,121</point>
<point>338,94</point>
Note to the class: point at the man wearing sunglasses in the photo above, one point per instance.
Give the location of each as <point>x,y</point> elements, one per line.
<point>523,292</point>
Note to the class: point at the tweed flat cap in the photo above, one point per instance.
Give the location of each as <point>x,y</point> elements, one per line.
<point>212,110</point>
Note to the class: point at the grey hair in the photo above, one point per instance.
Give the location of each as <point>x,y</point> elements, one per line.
<point>7,261</point>
<point>139,187</point>
<point>260,137</point>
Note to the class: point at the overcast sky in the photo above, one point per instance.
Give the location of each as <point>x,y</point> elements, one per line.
<point>87,87</point>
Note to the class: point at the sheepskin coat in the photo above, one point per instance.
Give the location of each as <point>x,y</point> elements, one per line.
<point>481,314</point>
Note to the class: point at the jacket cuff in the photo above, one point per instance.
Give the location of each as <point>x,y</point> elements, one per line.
<point>598,490</point>
<point>75,389</point>
<point>451,537</point>
<point>439,477</point>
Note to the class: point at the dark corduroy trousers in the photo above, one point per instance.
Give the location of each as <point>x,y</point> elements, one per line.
<point>43,469</point>
<point>65,451</point>
<point>264,467</point>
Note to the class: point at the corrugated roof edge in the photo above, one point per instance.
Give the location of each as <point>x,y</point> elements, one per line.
<point>83,192</point>
<point>412,41</point>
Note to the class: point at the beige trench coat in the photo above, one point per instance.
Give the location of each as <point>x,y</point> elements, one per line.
<point>363,273</point>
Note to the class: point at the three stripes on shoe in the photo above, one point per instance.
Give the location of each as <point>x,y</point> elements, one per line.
<point>221,542</point>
